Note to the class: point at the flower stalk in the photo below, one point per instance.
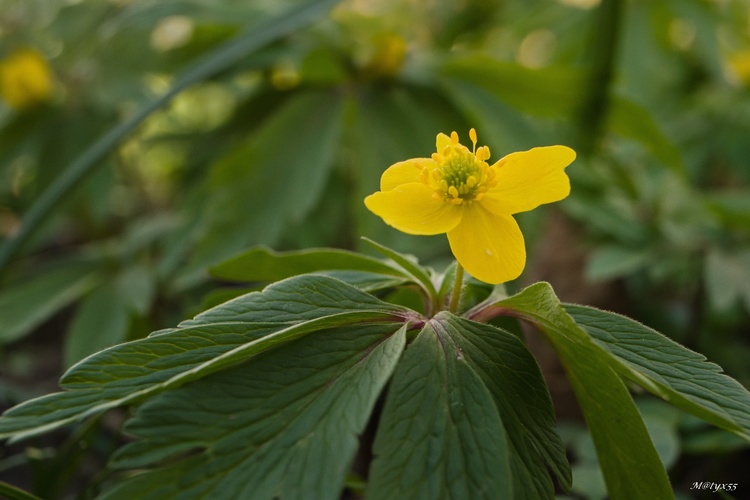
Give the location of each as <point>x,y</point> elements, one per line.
<point>458,282</point>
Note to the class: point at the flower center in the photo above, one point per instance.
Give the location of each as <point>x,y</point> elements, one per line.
<point>461,176</point>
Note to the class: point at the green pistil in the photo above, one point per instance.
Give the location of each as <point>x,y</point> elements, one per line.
<point>463,175</point>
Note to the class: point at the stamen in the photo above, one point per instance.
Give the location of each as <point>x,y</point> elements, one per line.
<point>460,176</point>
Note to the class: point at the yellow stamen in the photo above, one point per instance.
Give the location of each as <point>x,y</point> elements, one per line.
<point>460,175</point>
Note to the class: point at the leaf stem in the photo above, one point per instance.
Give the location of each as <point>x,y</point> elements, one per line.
<point>457,283</point>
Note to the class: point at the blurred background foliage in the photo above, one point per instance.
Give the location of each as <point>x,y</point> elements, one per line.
<point>278,146</point>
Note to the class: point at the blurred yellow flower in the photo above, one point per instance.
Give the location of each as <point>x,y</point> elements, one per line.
<point>386,62</point>
<point>25,79</point>
<point>739,65</point>
<point>457,192</point>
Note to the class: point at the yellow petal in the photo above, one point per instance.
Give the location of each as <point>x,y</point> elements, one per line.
<point>528,179</point>
<point>411,208</point>
<point>404,172</point>
<point>489,246</point>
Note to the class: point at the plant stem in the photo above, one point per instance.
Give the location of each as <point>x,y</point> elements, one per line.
<point>457,284</point>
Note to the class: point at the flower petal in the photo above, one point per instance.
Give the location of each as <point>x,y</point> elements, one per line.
<point>404,172</point>
<point>528,179</point>
<point>410,208</point>
<point>489,246</point>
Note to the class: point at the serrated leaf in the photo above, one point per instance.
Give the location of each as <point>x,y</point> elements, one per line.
<point>282,426</point>
<point>294,300</point>
<point>137,370</point>
<point>623,445</point>
<point>440,434</point>
<point>264,264</point>
<point>25,306</point>
<point>512,376</point>
<point>665,368</point>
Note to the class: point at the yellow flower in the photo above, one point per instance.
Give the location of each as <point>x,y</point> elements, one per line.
<point>25,79</point>
<point>457,192</point>
<point>388,58</point>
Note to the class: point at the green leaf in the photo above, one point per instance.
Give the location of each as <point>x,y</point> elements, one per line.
<point>264,264</point>
<point>137,370</point>
<point>25,306</point>
<point>623,446</point>
<point>512,376</point>
<point>137,287</point>
<point>100,322</point>
<point>727,277</point>
<point>368,282</point>
<point>612,261</point>
<point>12,493</point>
<point>665,368</point>
<point>440,434</point>
<point>293,300</point>
<point>525,89</point>
<point>635,122</point>
<point>283,426</point>
<point>269,182</point>
<point>413,270</point>
<point>221,58</point>
<point>502,127</point>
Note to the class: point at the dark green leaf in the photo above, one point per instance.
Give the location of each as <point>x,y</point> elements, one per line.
<point>513,378</point>
<point>412,269</point>
<point>136,286</point>
<point>525,89</point>
<point>369,282</point>
<point>101,321</point>
<point>264,264</point>
<point>611,261</point>
<point>12,493</point>
<point>440,434</point>
<point>635,122</point>
<point>667,369</point>
<point>137,370</point>
<point>24,306</point>
<point>623,445</point>
<point>272,179</point>
<point>294,300</point>
<point>282,426</point>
